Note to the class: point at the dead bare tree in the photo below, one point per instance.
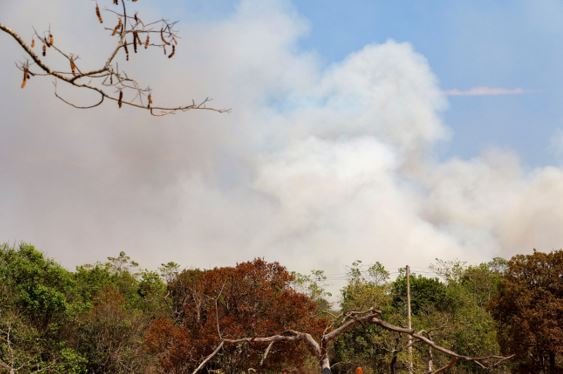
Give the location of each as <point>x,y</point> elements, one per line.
<point>347,321</point>
<point>109,82</point>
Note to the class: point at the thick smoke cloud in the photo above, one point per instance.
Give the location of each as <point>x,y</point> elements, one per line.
<point>315,166</point>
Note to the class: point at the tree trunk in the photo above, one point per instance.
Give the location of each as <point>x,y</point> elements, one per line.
<point>393,363</point>
<point>552,368</point>
<point>325,365</point>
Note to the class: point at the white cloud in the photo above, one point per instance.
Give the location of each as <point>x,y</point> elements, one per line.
<point>314,167</point>
<point>486,91</point>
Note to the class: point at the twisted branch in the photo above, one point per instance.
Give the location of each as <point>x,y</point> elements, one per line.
<point>350,320</point>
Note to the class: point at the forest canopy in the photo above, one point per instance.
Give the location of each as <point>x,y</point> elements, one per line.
<point>117,317</point>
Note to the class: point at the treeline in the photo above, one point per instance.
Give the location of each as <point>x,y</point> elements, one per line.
<point>115,317</point>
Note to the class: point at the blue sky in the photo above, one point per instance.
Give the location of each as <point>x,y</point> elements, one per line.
<point>468,43</point>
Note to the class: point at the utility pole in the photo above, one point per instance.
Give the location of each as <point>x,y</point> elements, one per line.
<point>408,274</point>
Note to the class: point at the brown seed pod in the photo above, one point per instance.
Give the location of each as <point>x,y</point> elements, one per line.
<point>51,40</point>
<point>147,41</point>
<point>116,2</point>
<point>136,17</point>
<point>135,37</point>
<point>173,51</point>
<point>44,50</point>
<point>126,51</point>
<point>117,27</point>
<point>73,67</point>
<point>99,14</point>
<point>25,77</point>
<point>149,103</point>
<point>33,43</point>
<point>120,99</point>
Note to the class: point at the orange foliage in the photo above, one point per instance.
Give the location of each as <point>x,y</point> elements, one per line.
<point>252,299</point>
<point>529,312</point>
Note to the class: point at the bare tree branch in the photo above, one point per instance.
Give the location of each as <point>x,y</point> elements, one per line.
<point>450,365</point>
<point>204,362</point>
<point>266,352</point>
<point>352,319</point>
<point>108,82</point>
<point>417,335</point>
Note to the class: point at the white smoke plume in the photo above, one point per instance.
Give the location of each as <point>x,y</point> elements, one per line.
<point>315,166</point>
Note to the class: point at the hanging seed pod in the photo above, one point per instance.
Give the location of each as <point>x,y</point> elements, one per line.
<point>149,101</point>
<point>73,67</point>
<point>25,77</point>
<point>126,51</point>
<point>111,79</point>
<point>173,51</point>
<point>147,42</point>
<point>51,40</point>
<point>44,50</point>
<point>33,43</point>
<point>163,38</point>
<point>136,17</point>
<point>120,100</point>
<point>164,49</point>
<point>117,27</point>
<point>99,14</point>
<point>135,37</point>
<point>116,2</point>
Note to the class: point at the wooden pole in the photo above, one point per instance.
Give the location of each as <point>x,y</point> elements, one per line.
<point>408,274</point>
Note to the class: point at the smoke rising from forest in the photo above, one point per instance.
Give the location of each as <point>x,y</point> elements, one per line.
<point>316,165</point>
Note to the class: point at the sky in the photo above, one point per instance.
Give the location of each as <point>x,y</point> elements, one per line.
<point>397,132</point>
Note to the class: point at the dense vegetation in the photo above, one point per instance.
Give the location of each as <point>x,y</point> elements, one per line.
<point>114,317</point>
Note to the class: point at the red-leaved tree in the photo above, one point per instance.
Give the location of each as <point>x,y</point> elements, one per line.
<point>253,299</point>
<point>529,312</point>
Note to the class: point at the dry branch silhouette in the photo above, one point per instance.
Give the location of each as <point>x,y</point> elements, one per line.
<point>109,82</point>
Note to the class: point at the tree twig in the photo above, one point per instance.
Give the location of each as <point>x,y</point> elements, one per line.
<point>108,76</point>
